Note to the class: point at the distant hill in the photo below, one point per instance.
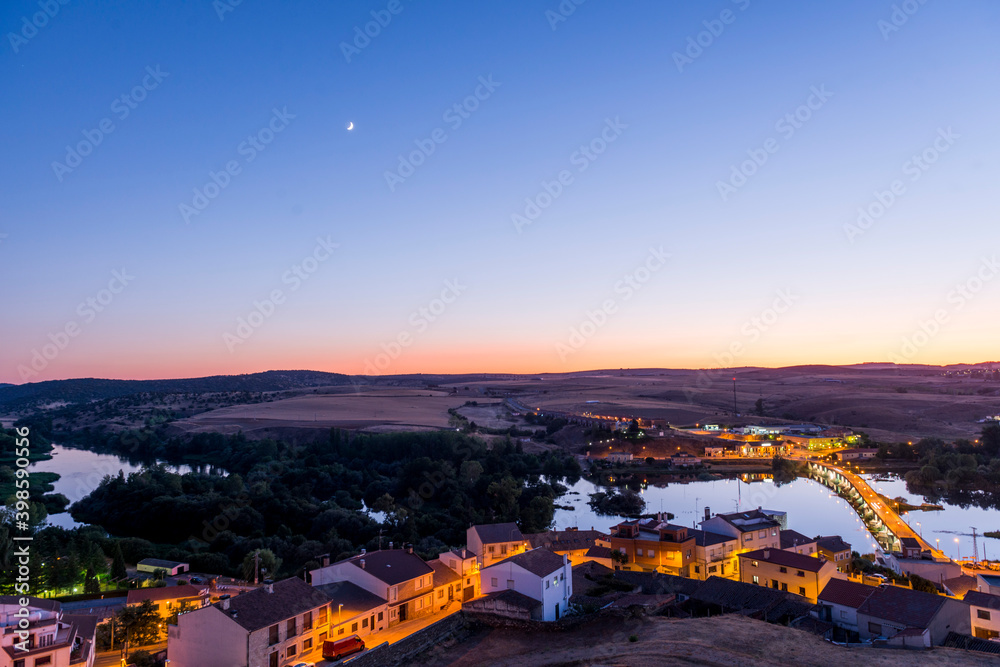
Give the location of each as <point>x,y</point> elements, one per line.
<point>93,389</point>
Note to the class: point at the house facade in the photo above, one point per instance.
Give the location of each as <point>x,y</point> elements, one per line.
<point>791,540</point>
<point>51,638</point>
<point>493,542</point>
<point>786,571</point>
<point>755,529</point>
<point>653,545</point>
<point>922,619</point>
<point>277,625</point>
<point>398,576</point>
<point>572,542</point>
<point>835,550</point>
<point>170,600</point>
<point>538,574</point>
<point>715,555</point>
<point>354,611</point>
<point>984,611</point>
<point>839,601</point>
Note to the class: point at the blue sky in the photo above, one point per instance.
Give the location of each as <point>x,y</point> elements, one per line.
<point>858,297</point>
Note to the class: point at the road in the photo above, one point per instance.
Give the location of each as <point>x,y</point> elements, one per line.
<point>113,658</point>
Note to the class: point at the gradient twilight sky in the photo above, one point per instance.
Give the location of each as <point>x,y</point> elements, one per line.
<point>893,94</point>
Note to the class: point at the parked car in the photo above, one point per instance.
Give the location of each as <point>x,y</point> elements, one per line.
<point>196,580</point>
<point>335,650</point>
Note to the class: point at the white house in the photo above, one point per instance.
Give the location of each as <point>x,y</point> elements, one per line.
<point>985,610</point>
<point>49,637</point>
<point>171,567</point>
<point>540,575</point>
<point>277,625</point>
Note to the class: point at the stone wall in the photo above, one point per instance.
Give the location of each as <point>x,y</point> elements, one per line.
<point>402,652</point>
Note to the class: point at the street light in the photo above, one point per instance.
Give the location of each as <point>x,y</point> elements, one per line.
<point>340,613</point>
<point>958,549</point>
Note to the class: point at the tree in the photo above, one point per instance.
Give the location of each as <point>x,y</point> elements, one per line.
<point>118,571</point>
<point>139,625</point>
<point>920,584</point>
<point>90,582</point>
<point>265,567</point>
<point>991,439</point>
<point>759,407</point>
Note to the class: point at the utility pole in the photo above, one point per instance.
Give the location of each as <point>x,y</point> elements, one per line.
<point>975,547</point>
<point>256,566</point>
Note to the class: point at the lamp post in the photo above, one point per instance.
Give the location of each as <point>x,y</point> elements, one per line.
<point>340,613</point>
<point>958,549</point>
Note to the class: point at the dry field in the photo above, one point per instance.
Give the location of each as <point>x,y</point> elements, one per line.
<point>723,640</point>
<point>376,409</point>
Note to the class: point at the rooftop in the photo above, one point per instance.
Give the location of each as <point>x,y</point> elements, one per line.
<point>355,599</point>
<point>392,566</point>
<point>443,575</point>
<point>136,596</point>
<point>832,543</point>
<point>157,562</point>
<point>792,538</point>
<point>753,520</point>
<point>492,533</point>
<point>259,609</point>
<point>913,609</point>
<point>786,559</point>
<point>704,538</point>
<point>982,599</point>
<point>564,540</point>
<point>845,593</point>
<point>540,562</point>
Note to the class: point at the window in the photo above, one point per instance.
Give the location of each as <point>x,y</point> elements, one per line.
<point>546,584</point>
<point>711,569</point>
<point>697,570</point>
<point>843,613</point>
<point>874,628</point>
<point>322,615</point>
<point>802,591</point>
<point>774,532</point>
<point>291,628</point>
<point>440,594</point>
<point>756,580</point>
<point>503,549</point>
<point>493,581</point>
<point>380,617</point>
<point>983,614</point>
<point>323,635</point>
<point>307,644</point>
<point>45,660</point>
<point>19,663</point>
<point>45,640</point>
<point>420,603</point>
<point>800,573</point>
<point>510,583</point>
<point>782,569</point>
<point>393,593</point>
<point>364,622</point>
<point>748,538</point>
<point>307,621</point>
<point>290,653</point>
<point>762,533</point>
<point>272,660</point>
<point>784,587</point>
<point>340,631</point>
<point>755,563</point>
<point>354,626</point>
<point>652,554</point>
<point>272,635</point>
<point>489,549</point>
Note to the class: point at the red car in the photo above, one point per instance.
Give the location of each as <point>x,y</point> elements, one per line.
<point>335,650</point>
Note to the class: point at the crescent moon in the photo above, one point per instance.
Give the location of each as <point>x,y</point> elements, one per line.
<point>350,126</point>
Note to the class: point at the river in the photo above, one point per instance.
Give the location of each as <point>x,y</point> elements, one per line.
<point>81,471</point>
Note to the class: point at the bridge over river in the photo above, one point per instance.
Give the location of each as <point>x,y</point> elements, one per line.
<point>882,521</point>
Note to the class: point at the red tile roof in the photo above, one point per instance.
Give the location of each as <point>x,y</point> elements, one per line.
<point>846,593</point>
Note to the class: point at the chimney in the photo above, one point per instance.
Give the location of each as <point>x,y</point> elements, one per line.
<point>390,546</point>
<point>409,548</point>
<point>363,551</point>
<point>708,514</point>
<point>767,554</point>
<point>362,563</point>
<point>224,599</point>
<point>325,559</point>
<point>269,585</point>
